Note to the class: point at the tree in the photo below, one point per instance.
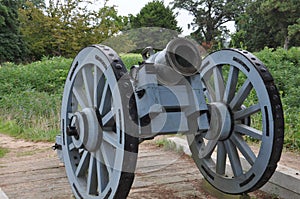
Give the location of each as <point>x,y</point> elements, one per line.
<point>155,25</point>
<point>210,16</point>
<point>37,39</point>
<point>155,14</point>
<point>252,32</point>
<point>37,3</point>
<point>12,47</point>
<point>121,43</point>
<point>65,26</point>
<point>294,32</point>
<point>269,23</point>
<point>279,15</point>
<point>107,24</point>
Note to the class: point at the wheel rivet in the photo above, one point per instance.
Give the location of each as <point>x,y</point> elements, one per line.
<point>119,66</point>
<point>263,70</point>
<point>126,84</point>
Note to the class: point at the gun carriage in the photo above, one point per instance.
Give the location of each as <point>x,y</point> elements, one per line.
<point>219,102</point>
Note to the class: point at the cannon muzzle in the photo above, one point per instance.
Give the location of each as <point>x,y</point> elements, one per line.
<point>180,54</point>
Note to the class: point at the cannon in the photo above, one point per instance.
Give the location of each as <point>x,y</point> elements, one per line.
<point>225,103</point>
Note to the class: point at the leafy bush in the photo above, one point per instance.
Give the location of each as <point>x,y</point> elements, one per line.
<point>131,59</point>
<point>285,68</point>
<point>47,75</point>
<point>30,97</point>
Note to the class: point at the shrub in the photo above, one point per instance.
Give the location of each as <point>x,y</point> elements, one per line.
<point>285,68</point>
<point>30,97</point>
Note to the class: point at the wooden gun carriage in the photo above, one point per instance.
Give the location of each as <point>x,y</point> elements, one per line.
<point>219,102</point>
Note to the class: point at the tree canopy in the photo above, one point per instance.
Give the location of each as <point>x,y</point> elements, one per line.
<point>64,27</point>
<point>269,23</point>
<point>155,14</point>
<point>155,25</point>
<point>210,16</point>
<point>12,47</point>
<point>37,3</point>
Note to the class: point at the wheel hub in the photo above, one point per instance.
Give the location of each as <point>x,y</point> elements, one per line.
<point>220,122</point>
<point>89,132</point>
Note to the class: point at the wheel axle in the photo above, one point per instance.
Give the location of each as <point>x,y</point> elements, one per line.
<point>86,130</point>
<point>72,131</point>
<point>221,122</point>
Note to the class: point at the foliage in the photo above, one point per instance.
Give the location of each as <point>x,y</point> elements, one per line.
<point>64,27</point>
<point>37,3</point>
<point>12,47</point>
<point>3,151</point>
<point>155,37</point>
<point>269,23</point>
<point>210,16</point>
<point>30,97</point>
<point>155,14</point>
<point>279,15</point>
<point>37,39</point>
<point>294,33</point>
<point>131,59</point>
<point>169,145</point>
<point>154,26</point>
<point>285,68</point>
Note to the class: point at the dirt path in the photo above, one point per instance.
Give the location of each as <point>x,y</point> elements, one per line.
<point>32,171</point>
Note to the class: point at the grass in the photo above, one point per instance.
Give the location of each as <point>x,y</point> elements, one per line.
<point>30,98</point>
<point>168,145</point>
<point>3,152</point>
<point>131,59</point>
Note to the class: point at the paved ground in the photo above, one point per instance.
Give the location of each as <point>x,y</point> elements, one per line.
<point>32,171</point>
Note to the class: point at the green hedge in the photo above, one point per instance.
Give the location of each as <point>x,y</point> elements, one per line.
<point>285,68</point>
<point>30,97</point>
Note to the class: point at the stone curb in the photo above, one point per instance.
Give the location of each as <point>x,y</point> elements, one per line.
<point>284,183</point>
<point>3,195</point>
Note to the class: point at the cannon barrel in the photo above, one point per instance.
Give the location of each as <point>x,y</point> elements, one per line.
<point>182,55</point>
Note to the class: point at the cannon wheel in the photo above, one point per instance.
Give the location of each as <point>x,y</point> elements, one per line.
<point>240,151</point>
<point>98,150</point>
